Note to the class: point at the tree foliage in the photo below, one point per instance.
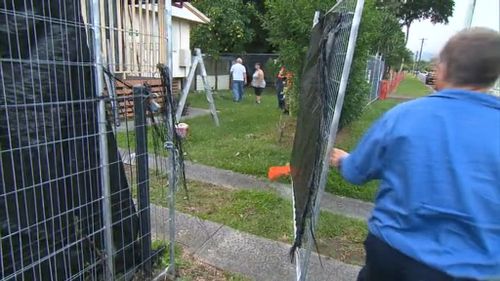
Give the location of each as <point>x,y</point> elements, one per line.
<point>289,24</point>
<point>438,11</point>
<point>259,44</point>
<point>389,40</point>
<point>230,27</point>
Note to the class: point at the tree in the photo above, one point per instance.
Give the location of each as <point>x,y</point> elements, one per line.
<point>289,24</point>
<point>229,29</point>
<point>389,40</point>
<point>259,44</point>
<point>438,11</point>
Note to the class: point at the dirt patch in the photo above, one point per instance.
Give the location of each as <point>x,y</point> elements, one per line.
<point>342,136</point>
<point>196,270</point>
<point>342,249</point>
<point>192,269</point>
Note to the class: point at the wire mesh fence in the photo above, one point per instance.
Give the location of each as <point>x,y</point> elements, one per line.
<point>323,87</point>
<point>374,74</point>
<point>77,174</point>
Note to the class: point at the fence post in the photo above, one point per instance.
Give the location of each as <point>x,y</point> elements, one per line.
<point>142,168</point>
<point>172,181</point>
<point>109,271</point>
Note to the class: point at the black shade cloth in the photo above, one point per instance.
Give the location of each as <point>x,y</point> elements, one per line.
<point>51,219</point>
<point>317,99</point>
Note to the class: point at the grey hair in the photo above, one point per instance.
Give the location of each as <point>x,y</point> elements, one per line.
<point>239,60</point>
<point>472,58</point>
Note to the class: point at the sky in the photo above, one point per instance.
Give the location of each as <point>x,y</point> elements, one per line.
<point>487,14</point>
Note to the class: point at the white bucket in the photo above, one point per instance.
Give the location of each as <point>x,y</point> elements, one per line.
<point>182,130</point>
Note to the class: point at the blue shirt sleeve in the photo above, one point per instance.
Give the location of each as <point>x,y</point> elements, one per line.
<point>365,163</point>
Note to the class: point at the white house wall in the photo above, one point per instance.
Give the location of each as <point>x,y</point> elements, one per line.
<point>141,52</point>
<point>181,51</point>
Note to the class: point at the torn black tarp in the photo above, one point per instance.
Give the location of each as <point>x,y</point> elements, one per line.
<point>318,95</point>
<point>51,221</point>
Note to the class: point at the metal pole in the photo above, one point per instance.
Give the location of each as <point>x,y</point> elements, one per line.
<point>420,54</point>
<point>331,140</point>
<point>415,62</point>
<point>187,86</point>
<point>103,143</point>
<point>381,73</point>
<point>317,14</point>
<point>470,13</point>
<point>172,181</point>
<point>141,152</point>
<point>208,91</point>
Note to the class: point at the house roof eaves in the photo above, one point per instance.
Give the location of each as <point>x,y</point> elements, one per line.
<point>194,14</point>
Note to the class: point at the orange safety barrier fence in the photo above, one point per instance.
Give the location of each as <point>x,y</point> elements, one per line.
<point>387,87</point>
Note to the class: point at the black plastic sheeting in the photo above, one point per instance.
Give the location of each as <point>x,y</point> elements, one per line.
<point>318,95</point>
<point>50,195</point>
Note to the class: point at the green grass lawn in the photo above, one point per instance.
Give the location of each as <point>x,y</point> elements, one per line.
<point>248,140</point>
<point>347,139</point>
<point>265,214</point>
<point>262,149</point>
<point>412,87</point>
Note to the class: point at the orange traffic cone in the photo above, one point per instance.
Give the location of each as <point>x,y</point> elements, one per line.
<point>275,173</point>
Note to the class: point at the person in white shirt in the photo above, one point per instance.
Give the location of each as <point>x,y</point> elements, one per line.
<point>239,78</point>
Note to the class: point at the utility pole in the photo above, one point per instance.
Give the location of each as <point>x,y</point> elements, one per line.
<point>420,54</point>
<point>415,62</point>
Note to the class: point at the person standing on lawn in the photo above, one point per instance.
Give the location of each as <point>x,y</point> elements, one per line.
<point>239,79</point>
<point>258,82</point>
<point>280,87</point>
<point>437,211</point>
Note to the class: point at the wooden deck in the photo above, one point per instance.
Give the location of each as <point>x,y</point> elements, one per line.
<point>127,106</point>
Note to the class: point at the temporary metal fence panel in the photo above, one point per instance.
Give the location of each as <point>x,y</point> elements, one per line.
<point>374,74</point>
<point>323,87</point>
<point>76,183</point>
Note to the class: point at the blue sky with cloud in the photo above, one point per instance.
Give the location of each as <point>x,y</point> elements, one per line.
<point>487,14</point>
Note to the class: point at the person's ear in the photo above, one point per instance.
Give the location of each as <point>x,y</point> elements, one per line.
<point>440,82</point>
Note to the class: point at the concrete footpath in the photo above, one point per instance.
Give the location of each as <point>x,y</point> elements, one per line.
<point>255,257</point>
<point>197,172</point>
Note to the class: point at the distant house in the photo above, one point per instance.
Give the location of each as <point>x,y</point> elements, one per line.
<point>183,19</point>
<point>137,37</point>
<point>136,41</point>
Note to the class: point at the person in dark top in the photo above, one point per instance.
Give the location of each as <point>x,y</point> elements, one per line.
<point>258,82</point>
<point>437,211</point>
<point>280,87</point>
